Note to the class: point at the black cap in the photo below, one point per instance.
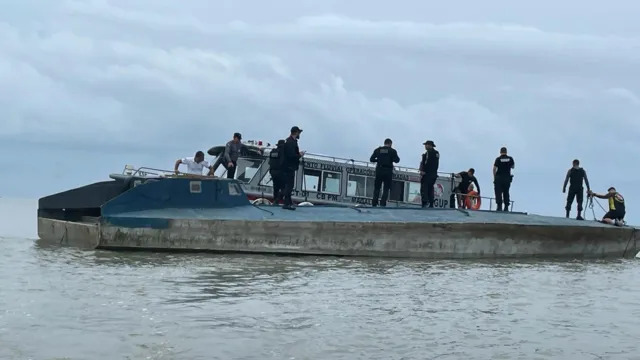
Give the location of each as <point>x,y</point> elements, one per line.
<point>237,135</point>
<point>429,142</point>
<point>503,149</point>
<point>296,129</point>
<point>611,188</point>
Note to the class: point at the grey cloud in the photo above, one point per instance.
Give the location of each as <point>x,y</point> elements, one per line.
<point>105,75</point>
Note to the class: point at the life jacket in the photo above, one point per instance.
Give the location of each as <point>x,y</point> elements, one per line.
<point>616,203</point>
<point>276,158</point>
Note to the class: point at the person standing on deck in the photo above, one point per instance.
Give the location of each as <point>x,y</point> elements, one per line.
<point>467,177</point>
<point>574,177</point>
<point>194,164</point>
<point>291,162</point>
<point>231,153</point>
<point>276,160</point>
<point>429,172</point>
<point>616,213</point>
<point>384,157</point>
<point>502,179</point>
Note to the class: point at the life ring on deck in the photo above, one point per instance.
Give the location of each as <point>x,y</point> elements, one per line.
<point>472,200</point>
<point>261,201</point>
<point>305,203</point>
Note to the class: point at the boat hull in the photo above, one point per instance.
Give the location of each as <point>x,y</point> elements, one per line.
<point>217,216</point>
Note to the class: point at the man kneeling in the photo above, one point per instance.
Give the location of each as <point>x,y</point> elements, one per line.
<point>616,213</point>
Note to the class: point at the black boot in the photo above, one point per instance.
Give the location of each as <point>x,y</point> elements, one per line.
<point>567,216</point>
<point>579,217</point>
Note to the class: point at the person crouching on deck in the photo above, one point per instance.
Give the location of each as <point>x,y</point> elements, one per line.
<point>467,177</point>
<point>194,164</point>
<point>616,213</point>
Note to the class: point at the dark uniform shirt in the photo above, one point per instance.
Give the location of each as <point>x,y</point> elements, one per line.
<point>468,179</point>
<point>504,163</point>
<point>232,151</point>
<point>276,157</point>
<point>291,159</point>
<point>430,162</point>
<point>575,178</point>
<point>384,157</point>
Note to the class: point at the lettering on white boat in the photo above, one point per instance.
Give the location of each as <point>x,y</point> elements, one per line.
<point>321,166</point>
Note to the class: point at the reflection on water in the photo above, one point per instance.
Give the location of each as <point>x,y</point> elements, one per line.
<point>74,304</point>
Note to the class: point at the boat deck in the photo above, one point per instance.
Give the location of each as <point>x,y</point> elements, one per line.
<point>357,214</point>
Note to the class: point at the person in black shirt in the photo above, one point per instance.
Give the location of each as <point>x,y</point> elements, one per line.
<point>574,177</point>
<point>276,159</point>
<point>291,162</point>
<point>502,178</point>
<point>429,172</point>
<point>468,177</point>
<point>384,157</point>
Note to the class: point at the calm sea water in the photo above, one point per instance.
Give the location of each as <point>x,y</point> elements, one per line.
<point>63,303</point>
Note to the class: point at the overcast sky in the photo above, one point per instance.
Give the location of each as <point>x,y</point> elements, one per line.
<point>89,86</point>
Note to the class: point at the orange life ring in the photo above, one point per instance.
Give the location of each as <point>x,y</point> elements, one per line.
<point>472,200</point>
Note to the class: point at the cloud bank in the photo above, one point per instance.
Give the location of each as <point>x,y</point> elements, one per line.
<point>165,79</point>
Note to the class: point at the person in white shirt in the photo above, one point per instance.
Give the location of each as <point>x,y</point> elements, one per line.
<point>194,164</point>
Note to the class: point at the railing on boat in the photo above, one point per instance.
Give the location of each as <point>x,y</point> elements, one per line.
<point>366,164</point>
<point>146,171</point>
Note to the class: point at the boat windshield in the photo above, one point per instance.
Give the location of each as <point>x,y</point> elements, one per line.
<point>247,169</point>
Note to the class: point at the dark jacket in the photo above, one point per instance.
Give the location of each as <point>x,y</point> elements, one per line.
<point>467,180</point>
<point>430,162</point>
<point>292,156</point>
<point>504,164</point>
<point>276,158</point>
<point>575,178</point>
<point>384,157</point>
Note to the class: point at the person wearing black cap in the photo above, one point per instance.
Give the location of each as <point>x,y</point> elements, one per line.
<point>384,157</point>
<point>291,162</point>
<point>575,176</point>
<point>231,153</point>
<point>616,213</point>
<point>429,171</point>
<point>276,157</point>
<point>502,179</point>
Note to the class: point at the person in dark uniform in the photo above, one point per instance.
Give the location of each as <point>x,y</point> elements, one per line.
<point>574,177</point>
<point>276,157</point>
<point>502,178</point>
<point>467,177</point>
<point>429,172</point>
<point>616,213</point>
<point>291,162</point>
<point>233,149</point>
<point>384,157</point>
<point>232,152</point>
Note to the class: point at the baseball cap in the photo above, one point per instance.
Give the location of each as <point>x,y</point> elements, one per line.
<point>296,129</point>
<point>429,142</point>
<point>238,135</point>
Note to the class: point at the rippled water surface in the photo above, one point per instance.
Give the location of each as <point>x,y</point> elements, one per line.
<point>63,303</point>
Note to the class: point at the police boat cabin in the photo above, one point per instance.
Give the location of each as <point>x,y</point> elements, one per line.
<point>330,180</point>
